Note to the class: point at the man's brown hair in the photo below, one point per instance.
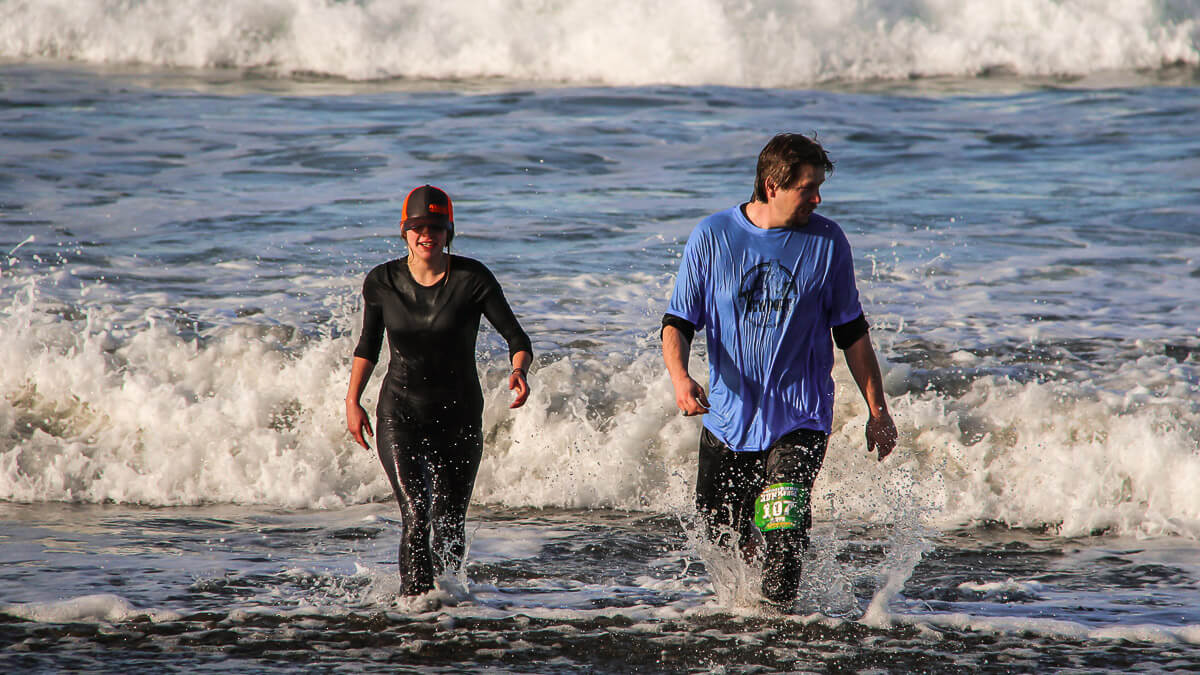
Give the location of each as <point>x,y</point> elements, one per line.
<point>781,159</point>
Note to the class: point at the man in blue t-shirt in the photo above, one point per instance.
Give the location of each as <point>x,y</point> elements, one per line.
<point>772,285</point>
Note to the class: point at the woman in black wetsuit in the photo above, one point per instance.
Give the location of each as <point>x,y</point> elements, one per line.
<point>429,417</point>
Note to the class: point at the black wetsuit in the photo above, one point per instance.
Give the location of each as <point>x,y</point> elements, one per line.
<point>727,485</point>
<point>430,404</point>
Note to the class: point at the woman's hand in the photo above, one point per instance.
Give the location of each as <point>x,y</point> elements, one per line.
<point>358,423</point>
<point>356,418</point>
<point>516,380</point>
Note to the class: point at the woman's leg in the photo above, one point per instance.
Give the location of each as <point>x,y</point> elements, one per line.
<point>404,452</point>
<point>454,467</point>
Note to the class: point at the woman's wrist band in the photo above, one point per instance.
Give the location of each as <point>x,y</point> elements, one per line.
<point>519,370</point>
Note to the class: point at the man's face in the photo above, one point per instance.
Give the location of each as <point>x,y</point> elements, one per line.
<point>794,204</point>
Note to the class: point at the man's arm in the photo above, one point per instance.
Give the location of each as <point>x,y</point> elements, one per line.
<point>864,366</point>
<point>689,395</point>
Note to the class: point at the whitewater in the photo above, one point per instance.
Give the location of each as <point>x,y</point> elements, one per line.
<point>623,43</point>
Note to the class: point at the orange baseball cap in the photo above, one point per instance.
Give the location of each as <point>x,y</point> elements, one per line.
<point>427,205</point>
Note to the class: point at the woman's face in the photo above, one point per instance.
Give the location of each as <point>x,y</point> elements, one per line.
<point>425,241</point>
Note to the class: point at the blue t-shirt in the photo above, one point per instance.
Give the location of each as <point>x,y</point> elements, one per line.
<point>766,300</point>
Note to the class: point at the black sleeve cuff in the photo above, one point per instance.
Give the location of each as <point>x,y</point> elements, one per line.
<point>365,352</point>
<point>520,345</point>
<point>847,334</point>
<point>683,325</point>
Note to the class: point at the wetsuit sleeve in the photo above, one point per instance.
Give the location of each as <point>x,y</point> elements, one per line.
<point>371,340</point>
<point>847,334</point>
<point>686,327</point>
<point>500,315</point>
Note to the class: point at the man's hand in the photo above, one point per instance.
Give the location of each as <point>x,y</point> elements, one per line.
<point>881,434</point>
<point>689,396</point>
<point>864,366</point>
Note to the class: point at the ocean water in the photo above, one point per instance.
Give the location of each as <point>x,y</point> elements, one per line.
<point>191,194</point>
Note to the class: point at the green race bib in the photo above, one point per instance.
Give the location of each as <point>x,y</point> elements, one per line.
<point>779,507</point>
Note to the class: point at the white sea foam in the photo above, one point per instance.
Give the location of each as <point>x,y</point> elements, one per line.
<point>98,410</point>
<point>148,417</point>
<point>1008,587</point>
<point>1054,628</point>
<point>86,608</point>
<point>757,43</point>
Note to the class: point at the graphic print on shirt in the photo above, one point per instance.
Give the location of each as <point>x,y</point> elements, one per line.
<point>765,295</point>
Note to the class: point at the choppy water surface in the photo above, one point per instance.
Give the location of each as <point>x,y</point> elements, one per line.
<point>568,591</point>
<point>181,253</point>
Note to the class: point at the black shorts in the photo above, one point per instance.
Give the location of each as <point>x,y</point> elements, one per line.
<point>728,482</point>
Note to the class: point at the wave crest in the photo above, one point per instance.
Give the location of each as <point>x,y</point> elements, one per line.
<point>768,43</point>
